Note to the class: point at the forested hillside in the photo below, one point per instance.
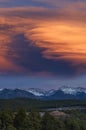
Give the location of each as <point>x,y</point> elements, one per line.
<point>21,120</point>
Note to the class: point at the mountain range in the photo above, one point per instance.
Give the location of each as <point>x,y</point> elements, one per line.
<point>36,93</point>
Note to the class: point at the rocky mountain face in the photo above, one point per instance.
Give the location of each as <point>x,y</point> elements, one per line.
<point>60,94</point>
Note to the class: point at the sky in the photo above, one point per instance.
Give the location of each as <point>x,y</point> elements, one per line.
<point>42,43</point>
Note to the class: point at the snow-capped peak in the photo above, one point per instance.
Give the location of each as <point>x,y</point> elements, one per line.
<point>37,91</point>
<point>40,92</point>
<point>1,89</point>
<point>72,91</point>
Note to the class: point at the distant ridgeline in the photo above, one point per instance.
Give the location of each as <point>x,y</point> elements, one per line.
<point>63,93</point>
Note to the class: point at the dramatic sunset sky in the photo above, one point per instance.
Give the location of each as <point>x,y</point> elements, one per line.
<point>42,43</point>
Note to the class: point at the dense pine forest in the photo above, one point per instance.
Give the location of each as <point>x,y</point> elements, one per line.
<point>22,120</point>
<point>30,104</point>
<point>32,114</point>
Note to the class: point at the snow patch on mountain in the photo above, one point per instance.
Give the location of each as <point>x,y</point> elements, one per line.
<point>50,92</point>
<point>1,89</point>
<point>37,91</point>
<point>73,91</point>
<point>41,92</point>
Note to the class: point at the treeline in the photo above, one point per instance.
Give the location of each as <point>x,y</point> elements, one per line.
<point>29,104</point>
<point>21,120</point>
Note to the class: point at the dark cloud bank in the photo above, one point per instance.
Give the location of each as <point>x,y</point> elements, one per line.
<point>26,54</point>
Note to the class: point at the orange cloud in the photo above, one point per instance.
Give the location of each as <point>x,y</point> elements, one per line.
<point>7,66</point>
<point>61,32</point>
<point>62,38</point>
